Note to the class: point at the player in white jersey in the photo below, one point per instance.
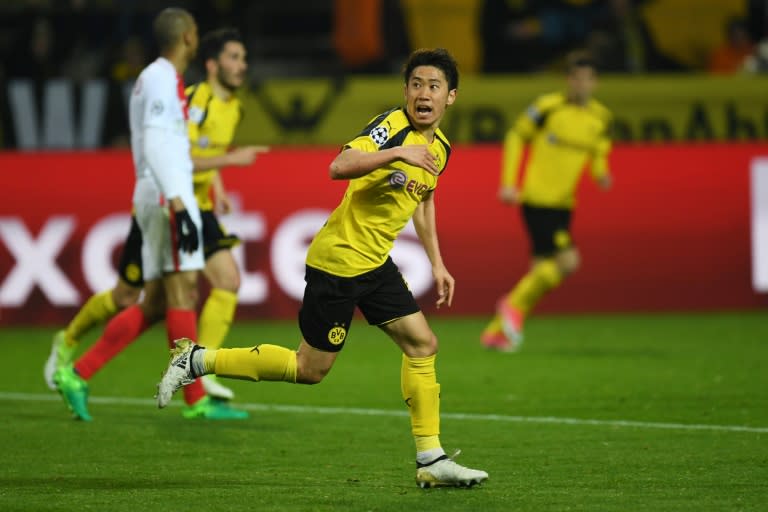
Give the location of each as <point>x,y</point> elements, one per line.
<point>165,208</point>
<point>163,189</point>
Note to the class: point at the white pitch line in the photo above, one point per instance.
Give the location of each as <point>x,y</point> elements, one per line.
<point>355,411</point>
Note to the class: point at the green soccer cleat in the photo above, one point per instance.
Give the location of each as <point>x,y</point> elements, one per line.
<point>212,409</point>
<point>60,356</point>
<point>74,390</point>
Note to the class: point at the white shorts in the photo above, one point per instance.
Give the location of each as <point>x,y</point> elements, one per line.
<point>159,255</point>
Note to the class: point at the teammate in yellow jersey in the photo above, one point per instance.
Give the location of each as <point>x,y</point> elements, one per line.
<point>565,132</point>
<point>393,167</point>
<point>214,116</point>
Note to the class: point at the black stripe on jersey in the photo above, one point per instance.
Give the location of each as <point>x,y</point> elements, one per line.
<point>543,115</point>
<point>397,139</point>
<point>375,122</point>
<point>192,94</point>
<point>542,120</point>
<point>447,150</point>
<point>205,110</point>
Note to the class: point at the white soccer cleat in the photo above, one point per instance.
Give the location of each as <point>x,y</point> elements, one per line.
<point>60,356</point>
<point>179,372</point>
<point>216,389</point>
<point>444,472</point>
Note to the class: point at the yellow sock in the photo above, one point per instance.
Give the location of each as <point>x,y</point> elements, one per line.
<point>421,393</point>
<point>98,309</point>
<point>543,277</point>
<point>216,317</point>
<point>262,362</point>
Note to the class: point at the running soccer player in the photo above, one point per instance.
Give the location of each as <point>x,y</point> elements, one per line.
<point>565,132</point>
<point>393,167</point>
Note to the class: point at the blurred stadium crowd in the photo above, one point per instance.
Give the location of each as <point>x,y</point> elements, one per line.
<point>83,39</point>
<point>110,41</point>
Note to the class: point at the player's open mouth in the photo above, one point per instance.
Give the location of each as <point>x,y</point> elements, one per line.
<point>423,109</point>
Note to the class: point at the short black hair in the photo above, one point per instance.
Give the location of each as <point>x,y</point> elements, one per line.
<point>169,26</point>
<point>579,59</point>
<point>212,43</point>
<point>437,57</point>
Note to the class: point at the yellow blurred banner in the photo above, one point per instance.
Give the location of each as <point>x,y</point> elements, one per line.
<point>646,108</point>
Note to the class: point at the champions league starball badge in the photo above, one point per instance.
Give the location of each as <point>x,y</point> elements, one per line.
<point>380,135</point>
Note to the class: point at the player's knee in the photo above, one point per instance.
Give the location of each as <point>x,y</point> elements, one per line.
<point>569,263</point>
<point>153,308</point>
<point>221,272</point>
<point>125,296</point>
<point>183,294</point>
<point>230,282</point>
<point>310,375</point>
<point>422,346</point>
<point>430,344</point>
<point>192,298</point>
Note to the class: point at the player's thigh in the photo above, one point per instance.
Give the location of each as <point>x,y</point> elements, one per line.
<point>221,271</point>
<point>412,334</point>
<point>126,294</point>
<point>181,289</point>
<point>326,310</point>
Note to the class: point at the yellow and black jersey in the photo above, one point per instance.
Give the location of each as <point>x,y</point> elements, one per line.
<point>563,138</point>
<point>212,124</point>
<point>359,233</point>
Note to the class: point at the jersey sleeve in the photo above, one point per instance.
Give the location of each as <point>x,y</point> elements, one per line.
<point>376,133</point>
<point>534,117</point>
<point>160,102</point>
<point>363,143</point>
<point>512,154</point>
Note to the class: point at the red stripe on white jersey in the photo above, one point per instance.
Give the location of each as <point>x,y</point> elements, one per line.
<point>182,96</point>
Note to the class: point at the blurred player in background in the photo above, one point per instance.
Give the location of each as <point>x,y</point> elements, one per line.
<point>564,131</point>
<point>393,166</point>
<point>214,115</point>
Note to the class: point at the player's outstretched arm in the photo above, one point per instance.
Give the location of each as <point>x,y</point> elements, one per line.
<point>238,157</point>
<point>354,163</point>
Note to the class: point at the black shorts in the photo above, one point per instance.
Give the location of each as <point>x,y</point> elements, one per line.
<point>549,229</point>
<point>215,238</point>
<point>329,303</point>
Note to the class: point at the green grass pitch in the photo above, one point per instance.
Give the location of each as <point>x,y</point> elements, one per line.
<point>616,413</point>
